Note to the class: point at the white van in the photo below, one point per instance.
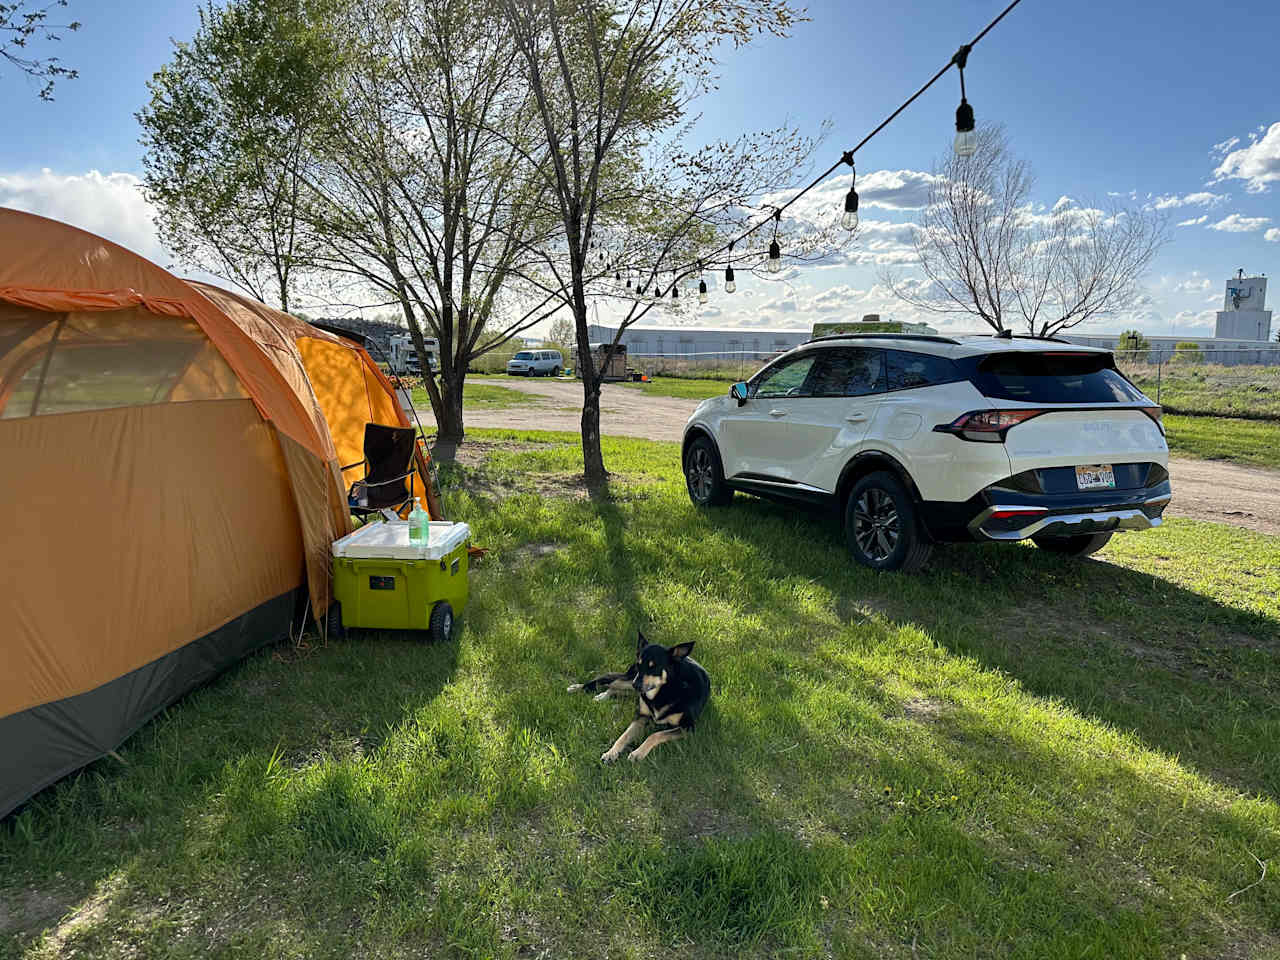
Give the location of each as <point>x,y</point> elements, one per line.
<point>531,363</point>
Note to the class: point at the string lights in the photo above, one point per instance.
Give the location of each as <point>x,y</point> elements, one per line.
<point>965,145</point>
<point>850,219</point>
<point>966,142</point>
<point>775,251</point>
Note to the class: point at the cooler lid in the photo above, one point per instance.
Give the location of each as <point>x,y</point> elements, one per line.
<point>391,539</point>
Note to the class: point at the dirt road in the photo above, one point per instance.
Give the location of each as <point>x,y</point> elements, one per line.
<point>1203,489</point>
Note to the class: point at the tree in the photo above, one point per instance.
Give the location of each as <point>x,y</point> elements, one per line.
<point>986,252</point>
<point>561,331</point>
<point>422,186</point>
<point>20,24</point>
<point>1133,341</point>
<point>374,146</point>
<point>227,133</point>
<point>609,80</point>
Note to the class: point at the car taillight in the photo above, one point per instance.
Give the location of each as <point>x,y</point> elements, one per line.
<point>1157,416</point>
<point>1018,512</point>
<point>988,426</point>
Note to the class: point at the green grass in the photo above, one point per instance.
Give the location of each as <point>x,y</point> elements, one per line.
<point>687,389</point>
<point>1251,442</point>
<point>482,394</point>
<point>1238,391</point>
<point>1010,755</point>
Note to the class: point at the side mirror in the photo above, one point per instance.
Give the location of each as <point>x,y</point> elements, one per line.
<point>739,392</point>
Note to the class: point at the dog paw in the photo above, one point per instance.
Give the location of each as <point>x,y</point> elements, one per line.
<point>636,756</point>
<point>573,688</point>
<point>605,695</point>
<point>608,757</point>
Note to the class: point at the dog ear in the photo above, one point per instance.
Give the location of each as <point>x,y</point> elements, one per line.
<point>641,643</point>
<point>681,650</point>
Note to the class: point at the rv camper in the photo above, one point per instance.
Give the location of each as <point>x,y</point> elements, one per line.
<point>403,359</point>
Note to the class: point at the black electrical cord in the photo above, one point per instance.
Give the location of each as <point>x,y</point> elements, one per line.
<point>958,60</point>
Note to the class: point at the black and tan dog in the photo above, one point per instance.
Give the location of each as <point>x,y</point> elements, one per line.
<point>672,687</point>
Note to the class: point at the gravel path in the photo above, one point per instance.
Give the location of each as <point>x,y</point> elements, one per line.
<point>1203,489</point>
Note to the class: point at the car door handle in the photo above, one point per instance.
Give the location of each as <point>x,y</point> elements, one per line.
<point>856,417</point>
<point>777,413</point>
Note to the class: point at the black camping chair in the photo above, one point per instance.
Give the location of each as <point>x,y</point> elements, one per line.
<point>388,463</point>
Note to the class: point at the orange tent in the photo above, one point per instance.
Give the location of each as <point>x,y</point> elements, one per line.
<point>173,483</point>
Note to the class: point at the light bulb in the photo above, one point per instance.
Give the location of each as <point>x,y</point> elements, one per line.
<point>775,257</point>
<point>702,291</point>
<point>729,284</point>
<point>966,142</point>
<point>850,218</point>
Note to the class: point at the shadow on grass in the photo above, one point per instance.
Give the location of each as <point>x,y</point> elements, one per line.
<point>223,758</point>
<point>1192,677</point>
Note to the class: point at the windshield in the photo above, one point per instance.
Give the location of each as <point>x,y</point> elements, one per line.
<point>1057,377</point>
<point>523,355</point>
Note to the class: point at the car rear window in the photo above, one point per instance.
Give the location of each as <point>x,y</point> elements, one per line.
<point>1057,377</point>
<point>907,369</point>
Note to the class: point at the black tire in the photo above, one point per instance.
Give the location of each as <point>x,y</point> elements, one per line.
<point>555,371</point>
<point>441,622</point>
<point>882,525</point>
<point>1081,545</point>
<point>703,476</point>
<point>333,623</point>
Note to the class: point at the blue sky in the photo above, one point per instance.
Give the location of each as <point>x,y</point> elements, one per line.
<point>1101,98</point>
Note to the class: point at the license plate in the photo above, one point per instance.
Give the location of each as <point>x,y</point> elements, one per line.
<point>1099,476</point>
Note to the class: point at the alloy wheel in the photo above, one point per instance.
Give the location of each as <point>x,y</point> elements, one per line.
<point>877,527</point>
<point>701,474</point>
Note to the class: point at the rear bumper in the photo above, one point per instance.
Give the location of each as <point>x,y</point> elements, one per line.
<point>999,513</point>
<point>987,525</point>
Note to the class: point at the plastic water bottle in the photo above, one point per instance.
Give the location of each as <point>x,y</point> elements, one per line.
<point>419,524</point>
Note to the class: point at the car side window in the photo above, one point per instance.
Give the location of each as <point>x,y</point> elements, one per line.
<point>907,369</point>
<point>787,379</point>
<point>849,372</point>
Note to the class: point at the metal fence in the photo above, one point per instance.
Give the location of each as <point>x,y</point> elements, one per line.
<point>1227,383</point>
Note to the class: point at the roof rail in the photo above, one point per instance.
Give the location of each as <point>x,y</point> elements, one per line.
<point>1018,336</point>
<point>1029,336</point>
<point>883,336</point>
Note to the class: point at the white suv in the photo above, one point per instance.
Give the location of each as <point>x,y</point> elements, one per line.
<point>531,363</point>
<point>920,439</point>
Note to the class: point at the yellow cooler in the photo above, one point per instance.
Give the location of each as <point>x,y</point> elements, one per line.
<point>383,581</point>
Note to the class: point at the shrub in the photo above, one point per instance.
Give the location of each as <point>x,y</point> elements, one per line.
<point>1133,340</point>
<point>1187,352</point>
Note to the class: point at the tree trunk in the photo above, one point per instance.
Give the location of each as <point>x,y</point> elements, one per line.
<point>592,456</point>
<point>449,421</point>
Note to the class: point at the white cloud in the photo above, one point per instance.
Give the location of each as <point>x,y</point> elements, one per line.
<point>895,189</point>
<point>1272,235</point>
<point>1257,165</point>
<point>1200,199</point>
<point>1197,282</point>
<point>109,205</point>
<point>1220,149</point>
<point>1194,221</point>
<point>1235,223</point>
<point>835,298</point>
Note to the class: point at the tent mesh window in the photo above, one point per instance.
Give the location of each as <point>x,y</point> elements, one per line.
<point>53,363</point>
